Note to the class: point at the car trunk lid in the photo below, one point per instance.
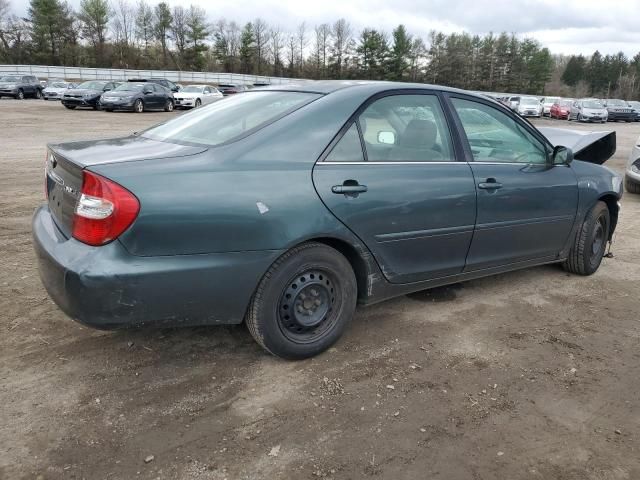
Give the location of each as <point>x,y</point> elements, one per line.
<point>66,162</point>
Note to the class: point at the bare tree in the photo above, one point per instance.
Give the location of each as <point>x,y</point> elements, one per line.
<point>302,44</point>
<point>179,29</point>
<point>261,33</point>
<point>144,26</point>
<point>276,50</point>
<point>321,49</point>
<point>342,41</point>
<point>123,26</point>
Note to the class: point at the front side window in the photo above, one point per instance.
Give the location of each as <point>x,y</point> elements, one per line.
<point>496,137</point>
<point>226,121</point>
<point>409,128</point>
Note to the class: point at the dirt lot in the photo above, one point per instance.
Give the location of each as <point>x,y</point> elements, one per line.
<point>528,375</point>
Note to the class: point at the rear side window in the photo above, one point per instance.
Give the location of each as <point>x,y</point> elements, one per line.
<point>348,149</point>
<point>406,128</point>
<point>226,121</point>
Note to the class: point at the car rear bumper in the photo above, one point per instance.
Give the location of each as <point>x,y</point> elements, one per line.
<point>107,288</point>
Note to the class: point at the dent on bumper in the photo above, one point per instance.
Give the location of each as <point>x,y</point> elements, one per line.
<point>106,287</point>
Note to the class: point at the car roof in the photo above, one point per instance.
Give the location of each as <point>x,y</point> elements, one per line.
<point>329,86</point>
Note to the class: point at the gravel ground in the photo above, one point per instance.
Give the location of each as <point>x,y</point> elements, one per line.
<point>527,375</point>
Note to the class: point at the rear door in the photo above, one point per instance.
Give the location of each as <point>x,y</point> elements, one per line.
<point>393,178</point>
<point>526,205</point>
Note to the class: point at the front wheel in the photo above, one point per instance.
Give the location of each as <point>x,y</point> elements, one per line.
<point>590,242</point>
<point>198,102</point>
<point>38,94</point>
<point>70,107</point>
<point>630,185</point>
<point>20,95</point>
<point>304,302</point>
<point>168,106</point>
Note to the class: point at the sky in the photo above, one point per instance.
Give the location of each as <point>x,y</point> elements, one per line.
<point>564,26</point>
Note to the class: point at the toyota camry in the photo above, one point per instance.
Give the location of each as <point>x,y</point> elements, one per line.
<point>286,206</point>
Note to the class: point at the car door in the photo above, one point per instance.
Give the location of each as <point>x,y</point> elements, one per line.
<point>392,177</point>
<point>158,96</point>
<point>207,96</point>
<point>27,87</point>
<point>526,205</point>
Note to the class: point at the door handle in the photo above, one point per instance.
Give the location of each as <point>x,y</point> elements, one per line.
<point>349,187</point>
<point>490,184</point>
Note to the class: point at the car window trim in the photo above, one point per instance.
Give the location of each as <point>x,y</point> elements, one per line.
<point>527,126</point>
<point>456,153</point>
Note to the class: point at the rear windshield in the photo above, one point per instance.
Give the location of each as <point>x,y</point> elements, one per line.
<point>192,88</point>
<point>551,99</point>
<point>229,119</point>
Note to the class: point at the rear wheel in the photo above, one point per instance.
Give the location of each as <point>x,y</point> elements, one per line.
<point>138,106</point>
<point>168,106</point>
<point>631,186</point>
<point>20,95</point>
<point>304,302</point>
<point>590,242</point>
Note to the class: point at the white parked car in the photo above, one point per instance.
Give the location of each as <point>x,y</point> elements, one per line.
<point>529,107</point>
<point>193,96</point>
<point>547,103</point>
<point>632,175</point>
<point>56,89</point>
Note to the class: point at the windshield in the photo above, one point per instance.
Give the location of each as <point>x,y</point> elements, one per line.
<point>551,100</point>
<point>58,85</point>
<point>130,87</point>
<point>635,104</point>
<point>10,78</point>
<point>564,103</point>
<point>225,121</point>
<point>591,104</point>
<point>92,85</point>
<point>192,89</point>
<point>616,103</point>
<point>529,101</point>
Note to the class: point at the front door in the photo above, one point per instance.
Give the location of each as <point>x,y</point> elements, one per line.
<point>393,179</point>
<point>526,205</point>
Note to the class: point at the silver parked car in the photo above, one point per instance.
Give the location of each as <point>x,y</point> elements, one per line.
<point>529,107</point>
<point>632,175</point>
<point>193,96</point>
<point>588,110</point>
<point>56,89</point>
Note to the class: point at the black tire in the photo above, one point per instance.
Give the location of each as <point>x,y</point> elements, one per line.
<point>38,94</point>
<point>631,186</point>
<point>20,94</point>
<point>138,106</point>
<point>97,106</point>
<point>579,118</point>
<point>198,102</point>
<point>304,302</point>
<point>70,107</point>
<point>590,242</point>
<point>168,105</point>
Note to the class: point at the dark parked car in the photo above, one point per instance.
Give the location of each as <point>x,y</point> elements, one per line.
<point>160,81</point>
<point>138,97</point>
<point>635,106</point>
<point>231,89</point>
<point>20,86</point>
<point>87,94</point>
<point>619,110</point>
<point>285,206</point>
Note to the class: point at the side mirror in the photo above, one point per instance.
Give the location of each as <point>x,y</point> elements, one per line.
<point>147,91</point>
<point>387,138</point>
<point>562,155</point>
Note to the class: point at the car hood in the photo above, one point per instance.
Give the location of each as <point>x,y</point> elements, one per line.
<point>594,111</point>
<point>187,95</point>
<point>6,84</point>
<point>56,89</point>
<point>593,147</point>
<point>125,149</point>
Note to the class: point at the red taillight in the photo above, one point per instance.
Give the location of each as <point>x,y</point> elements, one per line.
<point>104,210</point>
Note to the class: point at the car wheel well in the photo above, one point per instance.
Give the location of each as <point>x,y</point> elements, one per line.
<point>612,204</point>
<point>355,259</point>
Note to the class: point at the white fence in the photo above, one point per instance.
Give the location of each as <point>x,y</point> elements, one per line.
<point>80,73</point>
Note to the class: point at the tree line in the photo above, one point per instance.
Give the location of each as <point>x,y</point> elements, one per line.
<point>121,34</point>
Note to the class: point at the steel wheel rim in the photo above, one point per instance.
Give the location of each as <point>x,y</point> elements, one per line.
<point>307,307</point>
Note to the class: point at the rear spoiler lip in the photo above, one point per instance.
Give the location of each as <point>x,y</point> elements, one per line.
<point>593,147</point>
